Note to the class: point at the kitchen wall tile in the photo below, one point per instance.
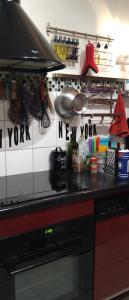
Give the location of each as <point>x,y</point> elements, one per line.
<point>41,179</point>
<point>62,137</point>
<point>6,105</point>
<point>19,185</point>
<point>2,164</point>
<point>46,139</point>
<point>2,136</point>
<point>42,159</point>
<point>64,130</point>
<point>1,110</point>
<point>19,161</point>
<point>17,137</point>
<point>3,189</point>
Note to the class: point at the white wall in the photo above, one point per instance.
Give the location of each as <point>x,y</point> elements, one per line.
<point>93,16</point>
<point>104,17</point>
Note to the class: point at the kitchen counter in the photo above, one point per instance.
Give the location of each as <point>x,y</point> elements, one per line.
<point>30,203</point>
<point>34,191</point>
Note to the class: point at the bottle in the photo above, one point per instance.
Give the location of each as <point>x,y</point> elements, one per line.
<point>82,147</point>
<point>55,42</point>
<point>72,149</point>
<point>64,49</point>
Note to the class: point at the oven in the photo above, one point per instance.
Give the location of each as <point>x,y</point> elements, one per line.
<point>50,263</point>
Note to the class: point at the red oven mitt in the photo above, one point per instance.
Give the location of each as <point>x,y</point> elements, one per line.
<point>89,60</point>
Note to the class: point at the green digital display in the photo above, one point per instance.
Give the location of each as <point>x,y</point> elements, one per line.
<point>49,231</point>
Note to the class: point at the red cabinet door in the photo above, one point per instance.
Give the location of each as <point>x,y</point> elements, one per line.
<point>111,257</point>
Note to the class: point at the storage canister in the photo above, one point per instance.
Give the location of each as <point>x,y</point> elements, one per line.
<point>58,159</point>
<point>123,164</point>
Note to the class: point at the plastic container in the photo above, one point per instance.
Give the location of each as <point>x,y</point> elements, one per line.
<point>123,164</point>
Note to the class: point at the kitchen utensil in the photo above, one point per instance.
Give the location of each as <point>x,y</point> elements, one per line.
<point>110,163</point>
<point>35,105</point>
<point>89,59</point>
<point>45,121</point>
<point>49,103</point>
<point>70,102</point>
<point>26,98</point>
<point>15,113</point>
<point>98,45</point>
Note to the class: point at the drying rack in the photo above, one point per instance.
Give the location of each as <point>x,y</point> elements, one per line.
<point>101,99</point>
<point>102,115</point>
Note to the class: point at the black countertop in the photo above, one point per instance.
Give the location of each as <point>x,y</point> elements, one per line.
<point>26,192</point>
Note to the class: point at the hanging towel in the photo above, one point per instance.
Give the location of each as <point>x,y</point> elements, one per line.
<point>119,126</point>
<point>127,137</point>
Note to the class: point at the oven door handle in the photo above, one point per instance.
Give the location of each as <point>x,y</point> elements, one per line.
<point>28,264</point>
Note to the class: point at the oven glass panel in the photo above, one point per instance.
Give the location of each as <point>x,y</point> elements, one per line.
<point>68,278</point>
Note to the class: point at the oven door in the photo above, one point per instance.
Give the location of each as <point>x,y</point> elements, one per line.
<point>58,268</point>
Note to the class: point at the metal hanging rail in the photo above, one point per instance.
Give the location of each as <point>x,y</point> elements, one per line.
<point>78,34</point>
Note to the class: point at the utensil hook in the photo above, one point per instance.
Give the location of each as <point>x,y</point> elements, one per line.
<point>102,119</point>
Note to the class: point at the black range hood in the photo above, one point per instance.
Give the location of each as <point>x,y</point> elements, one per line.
<point>22,46</point>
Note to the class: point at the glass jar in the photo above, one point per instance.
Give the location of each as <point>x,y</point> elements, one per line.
<point>93,164</point>
<point>101,162</point>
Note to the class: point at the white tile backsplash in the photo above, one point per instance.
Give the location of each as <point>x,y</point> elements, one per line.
<point>61,133</point>
<point>19,161</point>
<point>6,105</point>
<point>1,110</point>
<point>42,159</point>
<point>2,136</point>
<point>20,155</point>
<point>46,139</point>
<point>2,164</point>
<point>17,137</point>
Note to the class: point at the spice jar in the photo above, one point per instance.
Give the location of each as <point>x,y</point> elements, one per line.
<point>93,165</point>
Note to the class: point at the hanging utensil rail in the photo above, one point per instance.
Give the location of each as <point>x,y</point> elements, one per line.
<point>102,115</point>
<point>50,29</point>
